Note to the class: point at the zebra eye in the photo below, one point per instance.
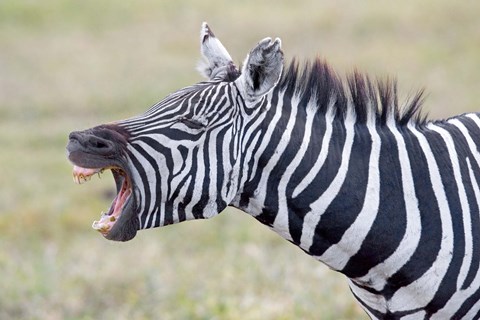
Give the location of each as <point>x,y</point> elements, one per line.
<point>192,124</point>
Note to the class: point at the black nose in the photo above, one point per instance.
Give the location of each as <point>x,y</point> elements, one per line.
<point>97,147</point>
<point>86,141</point>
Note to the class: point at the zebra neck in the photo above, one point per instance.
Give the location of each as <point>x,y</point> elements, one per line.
<point>309,175</point>
<point>373,202</point>
<point>343,191</point>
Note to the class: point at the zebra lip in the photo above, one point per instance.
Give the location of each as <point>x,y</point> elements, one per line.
<point>122,200</point>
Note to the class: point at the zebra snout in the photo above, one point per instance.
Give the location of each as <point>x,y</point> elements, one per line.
<point>90,143</point>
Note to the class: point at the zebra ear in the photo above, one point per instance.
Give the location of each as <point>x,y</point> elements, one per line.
<point>262,69</point>
<point>217,63</point>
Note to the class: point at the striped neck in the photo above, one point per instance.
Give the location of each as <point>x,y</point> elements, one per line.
<point>378,202</point>
<point>324,165</point>
<point>307,181</point>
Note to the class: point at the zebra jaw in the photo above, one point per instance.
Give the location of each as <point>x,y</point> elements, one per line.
<point>124,190</point>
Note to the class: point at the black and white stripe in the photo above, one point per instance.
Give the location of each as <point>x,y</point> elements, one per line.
<point>373,190</point>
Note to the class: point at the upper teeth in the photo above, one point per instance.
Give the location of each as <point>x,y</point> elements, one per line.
<point>81,178</point>
<point>81,175</point>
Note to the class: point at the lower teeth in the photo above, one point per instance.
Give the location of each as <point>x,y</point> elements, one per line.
<point>97,225</point>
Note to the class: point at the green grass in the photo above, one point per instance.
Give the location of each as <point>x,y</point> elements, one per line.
<point>67,65</point>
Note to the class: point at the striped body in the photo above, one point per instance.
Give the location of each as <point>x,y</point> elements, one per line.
<point>368,188</point>
<point>393,208</point>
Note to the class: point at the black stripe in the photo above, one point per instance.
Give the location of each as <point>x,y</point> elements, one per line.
<point>221,175</point>
<point>377,314</point>
<point>270,208</point>
<point>298,208</point>
<point>473,130</point>
<point>431,235</point>
<point>348,203</point>
<point>158,191</point>
<point>325,176</point>
<point>467,305</point>
<point>188,195</point>
<point>465,152</point>
<point>142,187</point>
<point>253,179</point>
<point>448,286</point>
<point>389,226</point>
<point>199,207</point>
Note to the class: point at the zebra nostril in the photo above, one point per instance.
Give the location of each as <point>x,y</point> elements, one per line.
<point>98,144</point>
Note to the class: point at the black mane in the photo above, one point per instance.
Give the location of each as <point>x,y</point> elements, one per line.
<point>318,80</point>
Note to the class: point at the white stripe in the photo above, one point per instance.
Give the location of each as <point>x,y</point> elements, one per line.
<point>319,206</point>
<point>180,175</point>
<point>230,166</point>
<point>374,301</point>
<point>281,225</point>
<point>198,184</point>
<point>460,296</point>
<point>211,209</point>
<point>245,156</point>
<point>177,200</point>
<point>420,292</point>
<point>267,170</point>
<point>256,204</point>
<point>471,144</point>
<point>473,148</point>
<point>307,180</point>
<point>338,254</point>
<point>467,222</point>
<point>151,224</point>
<point>150,171</point>
<point>247,150</point>
<point>162,113</point>
<point>145,207</point>
<point>162,212</point>
<point>415,316</point>
<point>177,159</point>
<point>377,275</point>
<point>474,117</point>
<point>473,311</point>
<point>200,106</point>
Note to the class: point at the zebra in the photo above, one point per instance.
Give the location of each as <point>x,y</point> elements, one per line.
<point>335,165</point>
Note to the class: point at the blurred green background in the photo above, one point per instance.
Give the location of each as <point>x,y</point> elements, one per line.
<point>67,65</point>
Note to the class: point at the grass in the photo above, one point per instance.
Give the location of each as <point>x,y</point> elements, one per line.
<point>67,65</point>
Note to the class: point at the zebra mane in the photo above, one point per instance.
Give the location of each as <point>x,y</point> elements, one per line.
<point>358,91</point>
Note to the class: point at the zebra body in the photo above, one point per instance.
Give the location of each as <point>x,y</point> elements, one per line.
<point>406,235</point>
<point>371,190</point>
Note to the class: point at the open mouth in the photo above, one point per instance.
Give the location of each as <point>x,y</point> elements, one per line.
<point>119,204</point>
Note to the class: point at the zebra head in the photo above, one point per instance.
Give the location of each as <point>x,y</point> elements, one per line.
<point>181,159</point>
